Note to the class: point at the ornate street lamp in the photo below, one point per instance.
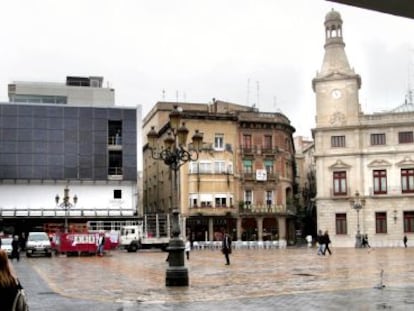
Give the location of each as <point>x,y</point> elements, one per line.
<point>174,154</point>
<point>357,205</point>
<point>66,205</point>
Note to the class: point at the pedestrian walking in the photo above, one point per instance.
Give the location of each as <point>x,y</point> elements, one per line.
<point>326,241</point>
<point>15,248</point>
<point>187,248</point>
<point>365,241</point>
<point>321,244</point>
<point>9,287</point>
<point>405,241</point>
<point>226,247</point>
<point>101,244</point>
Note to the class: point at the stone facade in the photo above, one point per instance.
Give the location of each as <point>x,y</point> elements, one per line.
<point>355,153</point>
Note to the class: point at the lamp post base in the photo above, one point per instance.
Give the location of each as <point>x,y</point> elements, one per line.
<point>177,276</point>
<point>358,240</point>
<point>177,273</point>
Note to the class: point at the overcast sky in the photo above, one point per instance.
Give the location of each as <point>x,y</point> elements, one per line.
<point>262,52</point>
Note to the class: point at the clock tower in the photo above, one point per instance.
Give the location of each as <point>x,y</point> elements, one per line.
<point>336,85</point>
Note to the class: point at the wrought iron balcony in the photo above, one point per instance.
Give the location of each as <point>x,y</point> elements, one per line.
<point>254,209</point>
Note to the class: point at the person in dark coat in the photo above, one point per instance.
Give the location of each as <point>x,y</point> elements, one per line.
<point>405,241</point>
<point>226,247</point>
<point>326,241</point>
<point>365,241</point>
<point>15,248</point>
<point>321,243</point>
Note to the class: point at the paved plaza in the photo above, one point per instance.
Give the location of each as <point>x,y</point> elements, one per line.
<point>259,279</point>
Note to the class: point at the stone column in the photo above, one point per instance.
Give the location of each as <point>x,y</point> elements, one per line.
<point>281,220</point>
<point>210,229</point>
<point>239,228</point>
<point>259,221</point>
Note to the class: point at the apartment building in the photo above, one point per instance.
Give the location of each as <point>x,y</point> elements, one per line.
<point>242,181</point>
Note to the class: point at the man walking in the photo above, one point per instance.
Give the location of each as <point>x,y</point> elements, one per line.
<point>101,244</point>
<point>326,241</point>
<point>226,247</point>
<point>15,248</point>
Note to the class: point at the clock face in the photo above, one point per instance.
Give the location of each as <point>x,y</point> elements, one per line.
<point>336,94</point>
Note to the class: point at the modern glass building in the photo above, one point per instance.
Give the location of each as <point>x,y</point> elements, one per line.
<point>46,148</point>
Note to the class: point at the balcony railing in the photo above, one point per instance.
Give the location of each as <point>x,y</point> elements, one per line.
<point>391,191</point>
<point>261,209</point>
<point>268,150</point>
<point>248,149</point>
<point>249,176</point>
<point>61,213</point>
<point>115,170</point>
<point>211,211</point>
<point>114,140</point>
<point>252,176</point>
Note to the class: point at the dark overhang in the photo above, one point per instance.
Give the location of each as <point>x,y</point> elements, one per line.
<point>404,8</point>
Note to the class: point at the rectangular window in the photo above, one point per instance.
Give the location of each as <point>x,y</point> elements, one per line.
<point>117,194</point>
<point>205,167</point>
<point>339,183</point>
<point>247,166</point>
<point>409,222</point>
<point>267,142</point>
<point>407,180</point>
<point>220,202</point>
<point>269,167</point>
<point>380,181</point>
<point>248,197</point>
<point>340,223</point>
<point>269,197</point>
<point>219,142</point>
<point>115,163</point>
<point>337,141</point>
<point>114,132</point>
<point>206,204</point>
<point>405,137</point>
<point>377,139</point>
<point>381,222</point>
<point>193,167</point>
<point>230,168</point>
<point>219,167</point>
<point>247,141</point>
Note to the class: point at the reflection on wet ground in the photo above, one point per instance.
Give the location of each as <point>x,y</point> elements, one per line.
<point>253,274</point>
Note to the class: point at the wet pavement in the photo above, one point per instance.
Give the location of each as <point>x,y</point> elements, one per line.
<point>260,279</point>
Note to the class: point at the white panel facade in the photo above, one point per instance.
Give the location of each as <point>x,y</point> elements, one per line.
<point>94,196</point>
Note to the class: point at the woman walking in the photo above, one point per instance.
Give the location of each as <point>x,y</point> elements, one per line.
<point>9,285</point>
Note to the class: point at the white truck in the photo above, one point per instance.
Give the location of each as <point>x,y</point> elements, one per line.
<point>152,232</point>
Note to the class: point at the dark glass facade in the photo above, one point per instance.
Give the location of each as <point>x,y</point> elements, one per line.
<point>55,142</point>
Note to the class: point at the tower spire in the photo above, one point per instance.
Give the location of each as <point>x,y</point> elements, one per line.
<point>335,60</point>
<point>336,85</point>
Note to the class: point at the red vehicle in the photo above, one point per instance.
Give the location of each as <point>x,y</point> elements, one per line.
<point>80,243</point>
